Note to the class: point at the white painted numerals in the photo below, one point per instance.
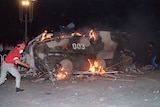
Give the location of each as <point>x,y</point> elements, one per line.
<point>78,46</point>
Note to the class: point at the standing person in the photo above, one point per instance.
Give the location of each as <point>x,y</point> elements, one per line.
<point>153,54</point>
<point>13,58</point>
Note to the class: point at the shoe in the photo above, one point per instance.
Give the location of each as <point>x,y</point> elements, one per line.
<point>19,90</point>
<point>154,68</point>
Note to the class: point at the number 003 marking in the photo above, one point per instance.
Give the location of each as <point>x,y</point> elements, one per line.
<point>79,46</point>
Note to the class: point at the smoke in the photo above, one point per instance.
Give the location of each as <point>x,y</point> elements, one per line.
<point>141,23</point>
<point>135,17</point>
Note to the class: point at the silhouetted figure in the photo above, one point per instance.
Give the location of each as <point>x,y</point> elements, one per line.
<point>153,54</point>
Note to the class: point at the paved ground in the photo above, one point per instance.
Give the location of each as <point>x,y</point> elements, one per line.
<point>128,91</point>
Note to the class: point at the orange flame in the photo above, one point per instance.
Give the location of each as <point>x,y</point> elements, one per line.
<point>45,35</point>
<point>76,33</point>
<point>92,35</point>
<point>95,67</point>
<point>62,74</point>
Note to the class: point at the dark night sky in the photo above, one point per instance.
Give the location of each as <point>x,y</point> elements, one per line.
<point>141,18</point>
<point>123,15</point>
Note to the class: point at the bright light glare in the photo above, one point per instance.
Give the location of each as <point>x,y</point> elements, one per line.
<point>25,2</point>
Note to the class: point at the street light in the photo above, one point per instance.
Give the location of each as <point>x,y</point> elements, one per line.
<point>26,14</point>
<point>25,2</point>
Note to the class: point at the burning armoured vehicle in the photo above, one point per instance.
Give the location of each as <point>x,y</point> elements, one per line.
<point>74,51</point>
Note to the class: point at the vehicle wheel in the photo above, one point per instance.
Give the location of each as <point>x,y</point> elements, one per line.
<point>102,63</point>
<point>67,65</point>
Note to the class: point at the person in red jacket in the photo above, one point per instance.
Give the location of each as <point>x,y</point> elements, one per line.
<point>13,58</point>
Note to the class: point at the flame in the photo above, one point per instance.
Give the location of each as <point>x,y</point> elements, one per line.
<point>45,35</point>
<point>95,67</point>
<point>92,35</point>
<point>76,33</point>
<point>61,74</point>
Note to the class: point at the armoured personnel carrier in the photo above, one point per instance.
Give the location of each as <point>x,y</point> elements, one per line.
<point>74,51</point>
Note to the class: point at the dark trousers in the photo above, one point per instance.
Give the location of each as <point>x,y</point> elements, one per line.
<point>153,62</point>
